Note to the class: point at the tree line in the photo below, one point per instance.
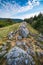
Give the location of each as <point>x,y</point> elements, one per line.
<point>36,22</point>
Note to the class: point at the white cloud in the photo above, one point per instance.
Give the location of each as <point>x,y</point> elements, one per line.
<point>29,6</point>
<point>25,8</point>
<point>9,10</point>
<point>30,15</point>
<point>27,15</point>
<point>29,2</point>
<point>35,3</point>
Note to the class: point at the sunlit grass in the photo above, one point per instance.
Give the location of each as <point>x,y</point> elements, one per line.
<point>31,29</point>
<point>5,30</point>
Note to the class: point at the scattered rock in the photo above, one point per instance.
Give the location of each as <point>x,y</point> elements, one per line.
<point>21,45</point>
<point>40,35</point>
<point>19,37</point>
<point>23,53</point>
<point>39,44</point>
<point>17,56</point>
<point>18,43</point>
<point>10,35</point>
<point>40,57</point>
<point>40,38</point>
<point>30,52</point>
<point>3,49</point>
<point>34,35</point>
<point>2,53</point>
<point>23,32</point>
<point>23,25</point>
<point>40,54</point>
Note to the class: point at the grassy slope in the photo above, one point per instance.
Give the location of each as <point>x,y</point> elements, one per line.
<point>5,30</point>
<point>31,29</point>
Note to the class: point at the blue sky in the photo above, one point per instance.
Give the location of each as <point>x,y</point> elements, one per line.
<point>20,8</point>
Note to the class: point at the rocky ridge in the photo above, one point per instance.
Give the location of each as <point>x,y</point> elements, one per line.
<point>25,50</point>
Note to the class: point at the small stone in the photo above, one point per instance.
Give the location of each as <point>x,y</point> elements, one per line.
<point>18,43</point>
<point>40,54</point>
<point>19,37</point>
<point>2,53</point>
<point>10,35</point>
<point>30,52</point>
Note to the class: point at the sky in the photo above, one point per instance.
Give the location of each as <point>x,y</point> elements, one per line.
<point>20,9</point>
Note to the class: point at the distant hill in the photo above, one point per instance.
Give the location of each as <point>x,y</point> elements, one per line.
<point>7,21</point>
<point>15,20</point>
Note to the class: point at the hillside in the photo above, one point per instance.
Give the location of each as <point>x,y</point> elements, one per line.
<point>5,30</point>
<point>7,21</point>
<point>14,42</point>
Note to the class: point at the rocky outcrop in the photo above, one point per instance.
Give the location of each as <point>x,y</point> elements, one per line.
<point>10,35</point>
<point>40,38</point>
<point>31,52</point>
<point>38,44</point>
<point>17,56</point>
<point>23,31</point>
<point>24,52</point>
<point>3,49</point>
<point>40,57</point>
